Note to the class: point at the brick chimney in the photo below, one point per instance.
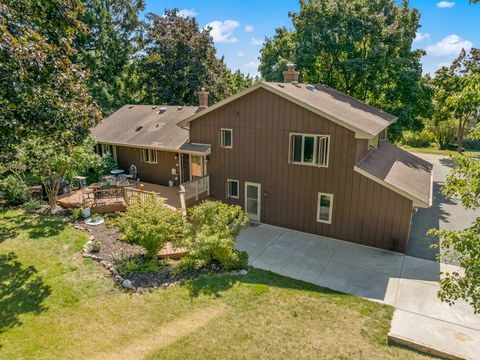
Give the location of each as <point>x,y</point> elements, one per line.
<point>291,75</point>
<point>203,98</point>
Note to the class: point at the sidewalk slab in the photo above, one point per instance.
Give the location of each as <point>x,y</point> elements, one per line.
<point>434,336</point>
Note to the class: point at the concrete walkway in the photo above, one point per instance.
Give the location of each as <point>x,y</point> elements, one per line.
<point>409,284</point>
<point>445,213</point>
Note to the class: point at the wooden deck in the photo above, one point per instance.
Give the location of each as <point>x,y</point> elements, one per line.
<point>74,199</point>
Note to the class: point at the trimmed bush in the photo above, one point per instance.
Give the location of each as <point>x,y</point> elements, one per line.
<point>15,191</point>
<point>151,224</point>
<point>415,138</point>
<point>216,226</point>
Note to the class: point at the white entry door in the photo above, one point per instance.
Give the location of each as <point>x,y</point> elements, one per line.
<point>252,200</point>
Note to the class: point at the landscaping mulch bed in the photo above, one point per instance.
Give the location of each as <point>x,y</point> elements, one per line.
<point>112,248</point>
<point>115,252</point>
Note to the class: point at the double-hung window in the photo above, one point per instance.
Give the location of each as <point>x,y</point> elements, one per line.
<point>226,138</point>
<point>324,208</point>
<point>149,156</point>
<point>233,189</point>
<point>309,149</point>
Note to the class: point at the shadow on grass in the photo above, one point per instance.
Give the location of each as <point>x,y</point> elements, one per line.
<point>21,291</point>
<point>36,226</point>
<point>215,285</point>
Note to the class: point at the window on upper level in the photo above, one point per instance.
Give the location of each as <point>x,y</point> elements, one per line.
<point>309,149</point>
<point>226,138</point>
<point>149,156</point>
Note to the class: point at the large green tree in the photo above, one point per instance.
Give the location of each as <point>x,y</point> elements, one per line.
<point>362,48</point>
<point>276,53</point>
<point>179,59</point>
<point>107,50</point>
<point>42,92</point>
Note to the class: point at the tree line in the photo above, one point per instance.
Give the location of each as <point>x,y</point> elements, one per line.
<point>64,64</point>
<point>364,48</point>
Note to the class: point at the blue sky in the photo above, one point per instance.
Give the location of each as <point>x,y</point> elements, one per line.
<point>240,26</point>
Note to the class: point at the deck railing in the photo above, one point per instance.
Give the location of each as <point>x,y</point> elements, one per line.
<point>194,188</point>
<point>134,195</point>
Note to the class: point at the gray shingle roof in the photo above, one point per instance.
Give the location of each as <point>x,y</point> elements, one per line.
<point>400,170</point>
<point>145,126</point>
<point>323,100</point>
<point>346,109</point>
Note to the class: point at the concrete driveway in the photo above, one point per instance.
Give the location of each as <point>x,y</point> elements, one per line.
<point>409,284</point>
<point>445,214</point>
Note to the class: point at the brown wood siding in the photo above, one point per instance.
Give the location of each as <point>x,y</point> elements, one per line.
<point>363,211</point>
<point>362,149</point>
<point>159,173</point>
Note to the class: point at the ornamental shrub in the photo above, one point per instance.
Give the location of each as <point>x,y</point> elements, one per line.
<point>216,226</point>
<point>15,190</point>
<point>151,224</point>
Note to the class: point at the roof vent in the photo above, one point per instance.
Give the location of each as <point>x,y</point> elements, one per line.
<point>297,85</point>
<point>310,87</point>
<point>130,106</point>
<point>139,128</point>
<point>281,85</point>
<point>180,107</point>
<point>162,110</point>
<point>154,107</point>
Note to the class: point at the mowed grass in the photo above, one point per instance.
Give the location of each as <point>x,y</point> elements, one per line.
<point>56,305</point>
<point>436,151</point>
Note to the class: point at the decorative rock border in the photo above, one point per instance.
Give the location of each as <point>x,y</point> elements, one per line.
<point>126,283</point>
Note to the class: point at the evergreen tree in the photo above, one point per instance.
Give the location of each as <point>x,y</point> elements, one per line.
<point>108,48</point>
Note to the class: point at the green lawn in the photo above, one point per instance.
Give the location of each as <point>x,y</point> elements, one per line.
<point>54,304</point>
<point>436,151</point>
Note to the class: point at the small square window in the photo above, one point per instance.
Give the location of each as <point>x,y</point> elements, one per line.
<point>232,189</point>
<point>226,138</point>
<point>324,208</point>
<point>149,156</point>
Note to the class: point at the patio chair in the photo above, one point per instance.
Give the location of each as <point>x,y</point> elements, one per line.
<point>132,172</point>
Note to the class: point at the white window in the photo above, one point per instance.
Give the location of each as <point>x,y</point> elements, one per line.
<point>324,208</point>
<point>309,149</point>
<point>149,156</point>
<point>232,189</point>
<point>226,138</point>
<point>105,149</point>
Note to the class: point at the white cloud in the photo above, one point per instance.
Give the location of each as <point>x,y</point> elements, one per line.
<point>187,13</point>
<point>421,36</point>
<point>222,31</point>
<point>445,4</point>
<point>240,53</point>
<point>249,28</point>
<point>450,45</point>
<point>252,65</point>
<point>256,41</point>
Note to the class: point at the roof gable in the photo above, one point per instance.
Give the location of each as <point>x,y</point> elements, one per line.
<point>365,120</point>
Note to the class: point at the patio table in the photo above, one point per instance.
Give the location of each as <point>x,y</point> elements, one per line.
<point>117,172</point>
